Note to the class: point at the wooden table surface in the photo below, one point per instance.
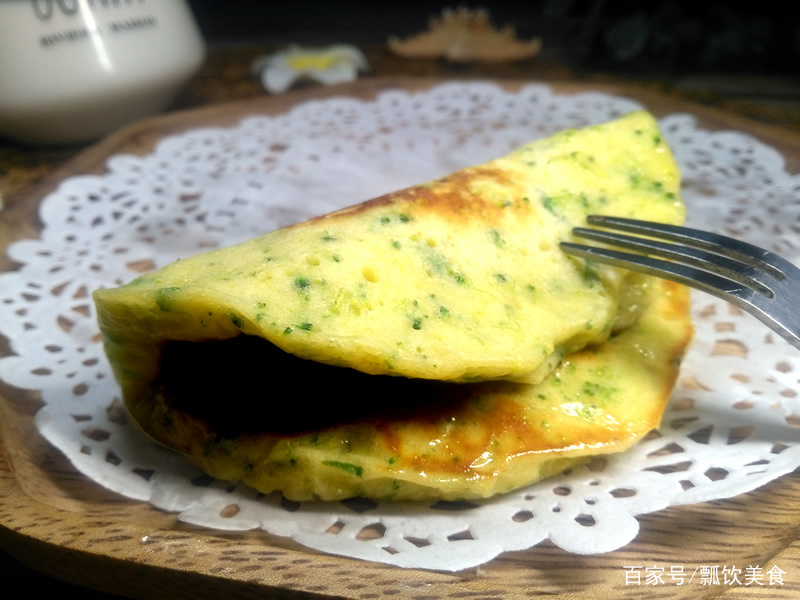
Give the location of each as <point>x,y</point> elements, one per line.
<point>769,107</point>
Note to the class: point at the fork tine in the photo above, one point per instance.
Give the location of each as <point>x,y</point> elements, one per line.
<point>754,279</point>
<point>720,286</point>
<point>718,244</point>
<point>724,266</point>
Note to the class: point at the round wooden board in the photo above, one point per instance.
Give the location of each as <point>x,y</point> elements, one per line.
<point>59,522</point>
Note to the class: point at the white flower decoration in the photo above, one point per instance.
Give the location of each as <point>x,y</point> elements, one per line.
<point>333,64</point>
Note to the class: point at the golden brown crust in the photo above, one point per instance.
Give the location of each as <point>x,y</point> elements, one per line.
<point>448,198</point>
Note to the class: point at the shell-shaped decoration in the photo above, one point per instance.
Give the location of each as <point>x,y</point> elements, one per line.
<point>463,36</point>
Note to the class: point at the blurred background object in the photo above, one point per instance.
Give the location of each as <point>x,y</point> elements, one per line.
<point>462,35</point>
<point>327,65</point>
<point>71,71</point>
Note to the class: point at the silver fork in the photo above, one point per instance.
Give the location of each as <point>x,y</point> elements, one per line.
<point>756,280</point>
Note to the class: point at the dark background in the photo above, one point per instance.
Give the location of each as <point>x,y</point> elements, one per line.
<point>761,36</point>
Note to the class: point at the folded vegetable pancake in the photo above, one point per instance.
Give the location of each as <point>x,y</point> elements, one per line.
<point>338,433</point>
<point>457,279</point>
<point>475,355</point>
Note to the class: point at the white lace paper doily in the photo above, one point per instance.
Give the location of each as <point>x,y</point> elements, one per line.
<point>732,424</point>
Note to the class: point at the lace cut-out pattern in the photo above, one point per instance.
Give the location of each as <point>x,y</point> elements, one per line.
<point>733,423</point>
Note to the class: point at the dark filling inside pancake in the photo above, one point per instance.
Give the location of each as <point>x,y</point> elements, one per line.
<point>249,385</point>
